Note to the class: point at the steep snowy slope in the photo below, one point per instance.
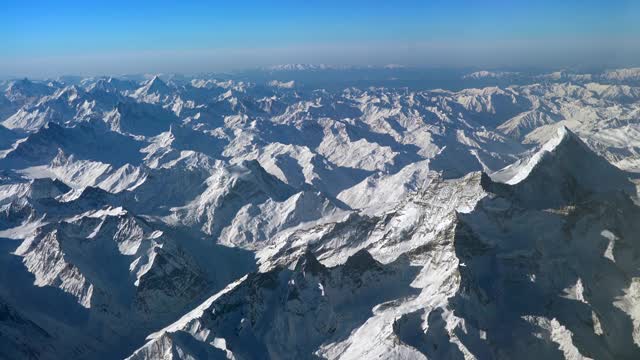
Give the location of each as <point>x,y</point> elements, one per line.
<point>255,225</point>
<point>226,192</point>
<point>84,141</point>
<point>520,125</point>
<point>70,104</point>
<point>385,190</point>
<point>299,166</point>
<point>18,188</point>
<point>82,173</point>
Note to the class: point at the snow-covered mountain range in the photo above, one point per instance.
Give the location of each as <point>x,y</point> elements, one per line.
<point>263,216</point>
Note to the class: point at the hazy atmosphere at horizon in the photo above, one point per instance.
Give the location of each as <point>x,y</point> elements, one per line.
<point>48,38</point>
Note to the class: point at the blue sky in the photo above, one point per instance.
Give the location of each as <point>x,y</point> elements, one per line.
<point>186,36</point>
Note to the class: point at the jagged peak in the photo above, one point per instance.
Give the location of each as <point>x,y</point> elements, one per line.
<point>361,261</point>
<point>309,263</point>
<point>62,158</point>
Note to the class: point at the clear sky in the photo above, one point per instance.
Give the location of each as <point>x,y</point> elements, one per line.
<point>51,37</point>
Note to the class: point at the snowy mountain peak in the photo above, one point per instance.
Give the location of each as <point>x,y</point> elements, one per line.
<point>153,91</point>
<point>156,84</point>
<point>563,171</point>
<point>563,135</point>
<point>564,140</point>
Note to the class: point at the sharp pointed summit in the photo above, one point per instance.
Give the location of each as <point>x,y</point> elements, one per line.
<point>156,85</point>
<point>563,168</point>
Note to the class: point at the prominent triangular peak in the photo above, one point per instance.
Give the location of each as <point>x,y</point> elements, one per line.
<point>563,135</point>
<point>564,166</point>
<point>156,85</point>
<point>563,142</point>
<point>519,170</point>
<point>153,91</point>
